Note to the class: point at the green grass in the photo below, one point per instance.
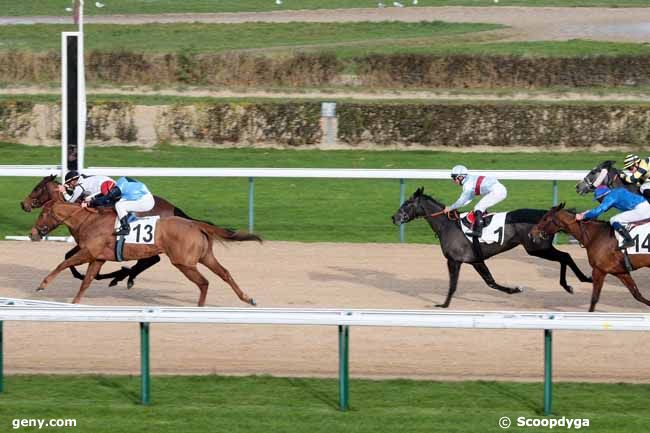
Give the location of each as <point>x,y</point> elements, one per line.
<point>310,210</point>
<point>346,40</point>
<point>57,7</point>
<point>267,404</point>
<point>214,38</point>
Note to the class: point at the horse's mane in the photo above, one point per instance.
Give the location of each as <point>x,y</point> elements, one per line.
<point>428,197</point>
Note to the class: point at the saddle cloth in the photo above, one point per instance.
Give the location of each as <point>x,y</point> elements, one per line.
<point>492,232</point>
<point>640,232</point>
<point>143,230</point>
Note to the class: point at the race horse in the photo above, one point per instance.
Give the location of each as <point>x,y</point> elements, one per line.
<point>604,174</point>
<point>458,249</point>
<point>47,189</point>
<point>602,249</point>
<point>186,243</point>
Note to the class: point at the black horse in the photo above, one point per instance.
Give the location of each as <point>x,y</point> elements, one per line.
<point>458,249</point>
<point>604,174</point>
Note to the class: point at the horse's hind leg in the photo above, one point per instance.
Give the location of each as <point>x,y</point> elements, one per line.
<point>454,269</point>
<point>141,266</point>
<point>81,257</point>
<point>210,261</point>
<point>195,276</point>
<point>93,269</point>
<point>632,287</point>
<point>484,272</point>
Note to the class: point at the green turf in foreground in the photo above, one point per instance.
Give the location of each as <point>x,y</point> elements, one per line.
<point>321,210</point>
<point>267,404</point>
<point>57,7</point>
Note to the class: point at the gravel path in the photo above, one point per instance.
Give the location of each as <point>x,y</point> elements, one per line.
<point>544,23</point>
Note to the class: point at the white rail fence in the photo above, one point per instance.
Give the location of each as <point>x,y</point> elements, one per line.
<point>26,310</point>
<point>322,173</point>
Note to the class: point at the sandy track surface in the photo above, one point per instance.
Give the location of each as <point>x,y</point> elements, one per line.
<point>322,275</point>
<point>543,23</point>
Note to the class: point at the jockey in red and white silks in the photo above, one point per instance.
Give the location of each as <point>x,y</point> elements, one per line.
<point>489,187</point>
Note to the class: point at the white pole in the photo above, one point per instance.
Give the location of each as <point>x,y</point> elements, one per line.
<point>64,105</point>
<point>81,93</point>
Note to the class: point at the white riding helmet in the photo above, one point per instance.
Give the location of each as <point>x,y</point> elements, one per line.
<point>631,160</point>
<point>459,170</point>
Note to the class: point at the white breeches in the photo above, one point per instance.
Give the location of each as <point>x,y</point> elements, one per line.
<point>145,203</point>
<point>640,212</point>
<point>498,193</point>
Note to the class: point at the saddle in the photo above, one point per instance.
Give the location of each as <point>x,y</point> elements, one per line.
<point>468,220</point>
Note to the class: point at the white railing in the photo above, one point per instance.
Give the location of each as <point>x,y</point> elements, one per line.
<point>28,310</point>
<point>330,173</point>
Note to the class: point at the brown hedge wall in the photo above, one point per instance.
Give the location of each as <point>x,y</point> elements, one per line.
<point>322,69</point>
<point>499,125</point>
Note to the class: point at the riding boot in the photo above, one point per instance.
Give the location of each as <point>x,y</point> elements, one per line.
<point>646,194</point>
<point>477,227</point>
<point>124,229</point>
<point>627,239</point>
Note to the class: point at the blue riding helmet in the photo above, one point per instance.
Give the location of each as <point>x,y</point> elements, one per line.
<point>601,191</point>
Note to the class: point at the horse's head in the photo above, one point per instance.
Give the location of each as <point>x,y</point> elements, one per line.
<point>602,174</point>
<point>414,207</point>
<point>46,222</point>
<point>555,220</point>
<point>43,192</point>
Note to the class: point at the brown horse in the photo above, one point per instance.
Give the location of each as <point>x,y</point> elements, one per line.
<point>47,189</point>
<point>602,249</point>
<point>185,242</point>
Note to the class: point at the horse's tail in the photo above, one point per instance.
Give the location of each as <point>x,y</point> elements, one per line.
<point>213,231</point>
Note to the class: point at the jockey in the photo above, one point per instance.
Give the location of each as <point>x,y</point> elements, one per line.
<point>473,185</point>
<point>633,207</point>
<point>78,186</point>
<point>128,195</point>
<point>640,169</point>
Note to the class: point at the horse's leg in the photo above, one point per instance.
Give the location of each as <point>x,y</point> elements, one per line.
<point>141,266</point>
<point>211,262</point>
<point>484,272</point>
<point>632,287</point>
<point>75,272</point>
<point>564,259</point>
<point>454,270</point>
<point>598,278</point>
<point>93,269</point>
<point>195,276</point>
<point>81,257</point>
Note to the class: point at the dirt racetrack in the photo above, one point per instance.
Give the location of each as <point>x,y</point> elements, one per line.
<point>322,275</point>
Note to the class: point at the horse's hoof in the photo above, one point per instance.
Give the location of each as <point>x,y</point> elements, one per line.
<point>130,284</point>
<point>40,289</point>
<point>569,289</point>
<point>252,302</point>
<point>519,290</point>
<point>113,283</point>
<point>441,306</point>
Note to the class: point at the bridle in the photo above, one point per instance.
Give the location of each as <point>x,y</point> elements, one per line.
<point>44,230</point>
<point>543,230</point>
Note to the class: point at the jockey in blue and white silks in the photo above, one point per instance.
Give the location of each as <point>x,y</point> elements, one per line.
<point>489,187</point>
<point>633,208</point>
<point>128,195</point>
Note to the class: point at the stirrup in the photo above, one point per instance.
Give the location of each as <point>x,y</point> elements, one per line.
<point>626,244</point>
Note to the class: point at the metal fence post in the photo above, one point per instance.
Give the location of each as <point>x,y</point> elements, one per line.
<point>344,372</point>
<point>2,361</point>
<point>251,194</point>
<point>548,371</point>
<point>401,200</point>
<point>144,363</point>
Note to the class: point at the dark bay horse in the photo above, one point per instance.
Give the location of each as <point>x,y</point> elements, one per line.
<point>602,249</point>
<point>458,250</point>
<point>604,174</point>
<point>47,189</point>
<point>185,242</point>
